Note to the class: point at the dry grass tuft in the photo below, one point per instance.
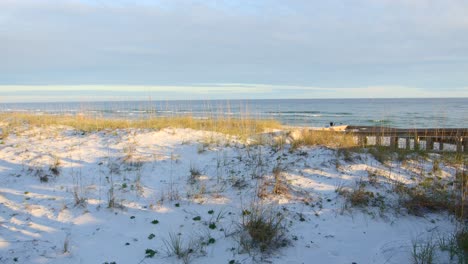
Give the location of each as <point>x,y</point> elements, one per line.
<point>358,197</point>
<point>427,197</point>
<point>280,186</point>
<point>263,229</point>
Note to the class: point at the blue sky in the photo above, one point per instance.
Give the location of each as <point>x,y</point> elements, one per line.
<point>180,49</point>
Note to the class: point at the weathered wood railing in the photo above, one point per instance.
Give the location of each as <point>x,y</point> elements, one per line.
<point>453,136</point>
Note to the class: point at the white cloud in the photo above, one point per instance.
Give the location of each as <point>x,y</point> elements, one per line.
<point>83,93</point>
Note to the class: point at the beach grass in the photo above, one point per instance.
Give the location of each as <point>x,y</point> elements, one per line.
<point>325,138</point>
<point>230,126</point>
<point>243,127</point>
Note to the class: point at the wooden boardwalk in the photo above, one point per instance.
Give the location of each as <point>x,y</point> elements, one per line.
<point>413,137</point>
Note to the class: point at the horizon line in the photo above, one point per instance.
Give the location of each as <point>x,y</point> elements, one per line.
<point>227,100</point>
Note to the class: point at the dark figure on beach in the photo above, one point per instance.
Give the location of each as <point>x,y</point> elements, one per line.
<point>331,124</point>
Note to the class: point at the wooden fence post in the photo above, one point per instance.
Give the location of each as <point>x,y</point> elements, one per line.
<point>429,143</point>
<point>394,142</point>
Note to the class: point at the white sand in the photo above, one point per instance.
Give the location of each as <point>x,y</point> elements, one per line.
<point>38,219</point>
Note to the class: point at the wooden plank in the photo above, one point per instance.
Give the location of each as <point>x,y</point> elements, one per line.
<point>459,145</point>
<point>378,140</point>
<point>416,145</point>
<point>394,142</point>
<point>362,140</point>
<point>429,143</point>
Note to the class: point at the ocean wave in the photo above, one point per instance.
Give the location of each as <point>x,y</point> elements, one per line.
<point>293,112</point>
<point>296,114</point>
<point>380,121</point>
<point>309,113</point>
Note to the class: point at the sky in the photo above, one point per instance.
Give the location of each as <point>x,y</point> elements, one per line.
<point>62,50</point>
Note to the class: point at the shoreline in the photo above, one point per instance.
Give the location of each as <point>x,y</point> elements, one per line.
<point>392,112</point>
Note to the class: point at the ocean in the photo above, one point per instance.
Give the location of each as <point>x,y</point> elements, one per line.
<point>400,113</point>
